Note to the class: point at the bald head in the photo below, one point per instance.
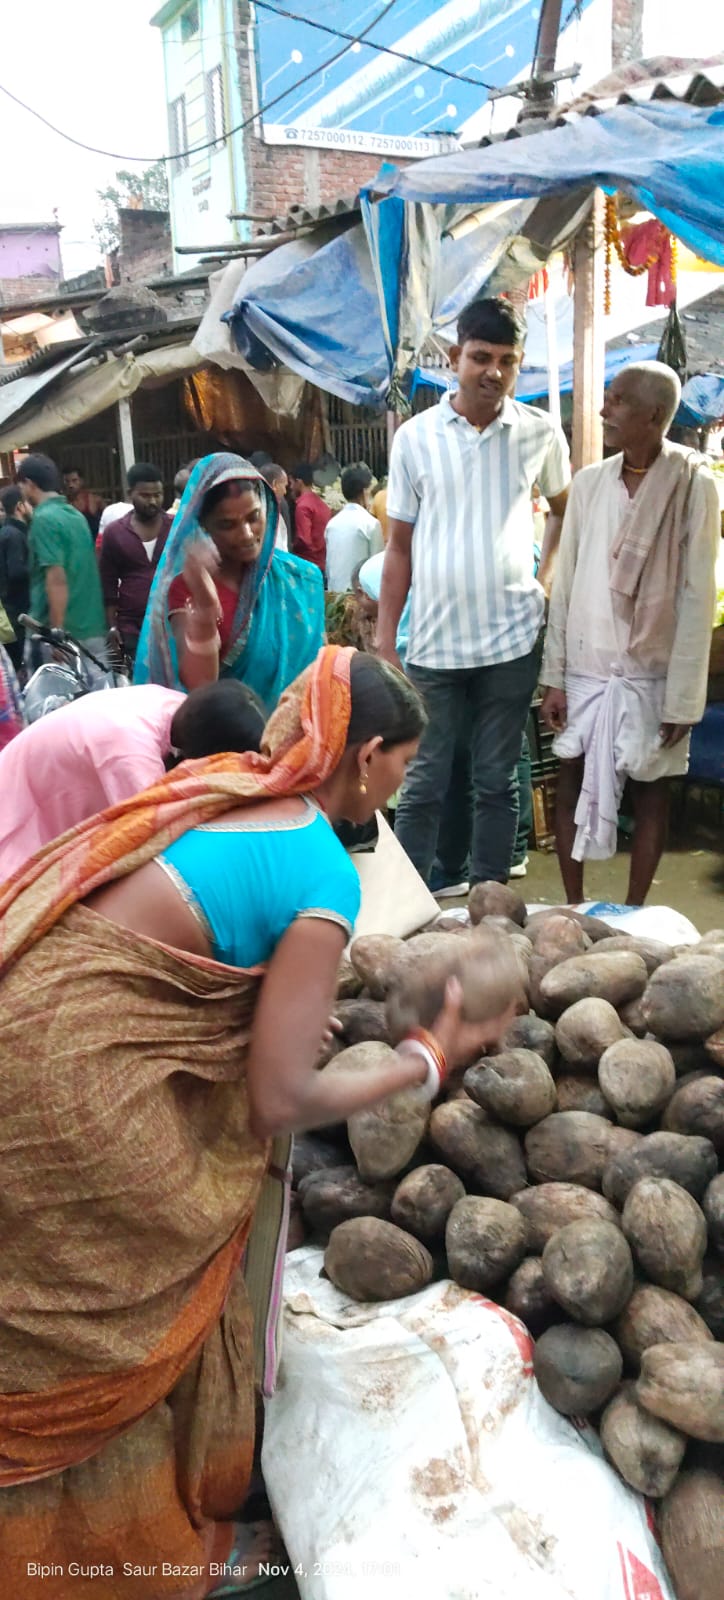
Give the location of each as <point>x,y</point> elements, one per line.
<point>640,404</point>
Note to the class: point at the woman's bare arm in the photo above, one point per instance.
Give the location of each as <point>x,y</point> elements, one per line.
<point>286,1091</point>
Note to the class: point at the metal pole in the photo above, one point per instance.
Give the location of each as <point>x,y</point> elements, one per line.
<point>540,92</point>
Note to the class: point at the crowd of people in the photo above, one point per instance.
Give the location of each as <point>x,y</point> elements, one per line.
<point>175,897</point>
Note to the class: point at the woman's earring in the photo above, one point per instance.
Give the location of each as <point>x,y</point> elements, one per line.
<point>362,785</point>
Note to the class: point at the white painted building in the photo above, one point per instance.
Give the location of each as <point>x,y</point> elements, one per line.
<point>203,98</point>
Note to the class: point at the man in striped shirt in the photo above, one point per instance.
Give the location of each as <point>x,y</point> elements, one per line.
<point>461,543</point>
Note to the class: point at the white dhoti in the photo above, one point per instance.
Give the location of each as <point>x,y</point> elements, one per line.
<point>614,724</point>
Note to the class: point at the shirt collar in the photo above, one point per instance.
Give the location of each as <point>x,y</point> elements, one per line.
<point>505,417</point>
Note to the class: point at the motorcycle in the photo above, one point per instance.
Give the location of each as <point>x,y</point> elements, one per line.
<point>79,672</point>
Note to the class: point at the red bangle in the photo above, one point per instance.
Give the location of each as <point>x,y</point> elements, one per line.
<point>430,1043</point>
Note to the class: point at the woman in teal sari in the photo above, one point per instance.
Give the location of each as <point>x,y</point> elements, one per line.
<point>225,602</point>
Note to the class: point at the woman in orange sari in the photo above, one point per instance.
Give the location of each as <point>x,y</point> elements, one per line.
<point>150,1076</point>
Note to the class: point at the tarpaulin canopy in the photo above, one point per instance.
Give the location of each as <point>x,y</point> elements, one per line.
<point>79,397</point>
<point>668,156</point>
<point>352,314</point>
<point>20,392</point>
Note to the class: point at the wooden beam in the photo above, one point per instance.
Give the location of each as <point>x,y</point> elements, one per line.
<point>126,446</point>
<point>589,338</point>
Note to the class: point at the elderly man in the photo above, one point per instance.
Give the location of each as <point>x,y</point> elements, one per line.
<point>629,629</point>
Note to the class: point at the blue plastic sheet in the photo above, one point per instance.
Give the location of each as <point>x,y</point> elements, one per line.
<point>669,156</point>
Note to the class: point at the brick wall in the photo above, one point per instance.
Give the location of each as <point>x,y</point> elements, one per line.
<point>280,176</point>
<point>146,250</point>
<point>15,290</point>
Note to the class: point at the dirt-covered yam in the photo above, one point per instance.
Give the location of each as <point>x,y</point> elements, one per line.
<point>684,1385</point>
<point>373,1260</point>
<point>653,951</point>
<point>633,1018</point>
<point>688,1161</point>
<point>485,1240</point>
<point>558,938</point>
<point>618,978</point>
<point>568,1147</point>
<point>514,1086</point>
<point>645,1450</point>
<point>698,1107</point>
<point>588,1268</point>
<point>312,1153</point>
<point>486,1156</point>
<point>530,1032</point>
<point>656,1316</point>
<point>384,1137</point>
<point>374,958</point>
<point>574,1093</point>
<point>332,1196</point>
<point>486,965</point>
<point>710,1302</point>
<point>637,1077</point>
<point>577,1369</point>
<point>551,1206</point>
<point>713,1208</point>
<point>422,1202</point>
<point>691,1529</point>
<point>529,1297</point>
<point>349,982</point>
<point>667,1233</point>
<point>496,900</point>
<point>361,1021</point>
<point>685,998</point>
<point>585,1030</point>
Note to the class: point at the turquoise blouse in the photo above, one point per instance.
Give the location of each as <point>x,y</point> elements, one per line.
<point>248,885</point>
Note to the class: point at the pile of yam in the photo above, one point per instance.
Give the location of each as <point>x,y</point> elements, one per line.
<point>573,1175</point>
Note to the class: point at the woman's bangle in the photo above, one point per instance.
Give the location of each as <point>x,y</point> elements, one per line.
<point>421,1043</point>
<point>203,647</point>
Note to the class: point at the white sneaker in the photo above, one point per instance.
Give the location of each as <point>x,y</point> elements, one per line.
<point>451,891</point>
<point>521,871</point>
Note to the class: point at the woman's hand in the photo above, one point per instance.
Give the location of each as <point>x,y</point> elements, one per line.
<point>200,568</point>
<point>462,1042</point>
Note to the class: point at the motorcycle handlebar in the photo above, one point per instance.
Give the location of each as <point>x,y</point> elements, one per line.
<point>59,639</point>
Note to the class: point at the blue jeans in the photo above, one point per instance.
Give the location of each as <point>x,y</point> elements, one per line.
<point>452,859</point>
<point>492,703</point>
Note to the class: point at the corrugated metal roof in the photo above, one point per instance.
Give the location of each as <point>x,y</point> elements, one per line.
<point>697,82</point>
<point>300,216</point>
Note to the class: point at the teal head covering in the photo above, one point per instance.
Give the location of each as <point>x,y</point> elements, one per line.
<point>278,627</point>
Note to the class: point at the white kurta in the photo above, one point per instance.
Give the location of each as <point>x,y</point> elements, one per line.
<point>615,705</point>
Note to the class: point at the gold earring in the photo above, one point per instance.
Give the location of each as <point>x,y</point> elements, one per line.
<point>362,785</point>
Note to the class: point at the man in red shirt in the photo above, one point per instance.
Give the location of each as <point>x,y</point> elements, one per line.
<point>311,516</point>
<point>130,553</point>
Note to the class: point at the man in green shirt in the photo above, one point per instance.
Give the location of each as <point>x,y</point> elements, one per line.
<point>65,588</point>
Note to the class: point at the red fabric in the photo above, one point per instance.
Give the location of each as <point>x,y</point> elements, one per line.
<point>648,239</point>
<point>311,516</point>
<point>179,593</point>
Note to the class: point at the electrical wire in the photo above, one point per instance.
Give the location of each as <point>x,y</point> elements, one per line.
<point>384,49</point>
<point>209,144</point>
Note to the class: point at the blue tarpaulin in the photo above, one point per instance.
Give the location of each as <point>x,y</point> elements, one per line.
<point>668,156</point>
<point>352,315</point>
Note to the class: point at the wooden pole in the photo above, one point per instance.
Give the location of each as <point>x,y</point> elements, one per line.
<point>589,338</point>
<point>126,447</point>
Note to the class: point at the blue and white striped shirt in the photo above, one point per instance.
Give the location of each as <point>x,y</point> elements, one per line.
<point>474,599</point>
